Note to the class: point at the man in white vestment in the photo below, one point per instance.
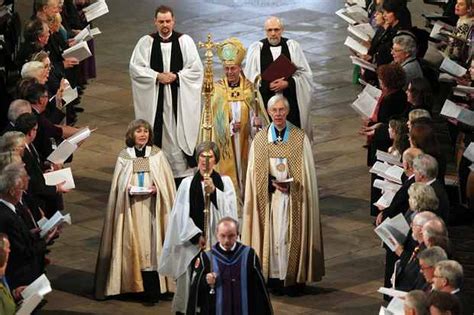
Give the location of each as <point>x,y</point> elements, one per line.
<point>189,230</point>
<point>297,88</point>
<point>281,218</point>
<point>166,74</point>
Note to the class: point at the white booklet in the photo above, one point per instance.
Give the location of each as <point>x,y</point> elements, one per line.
<point>452,68</point>
<point>356,46</point>
<point>372,91</point>
<point>40,286</point>
<point>392,292</point>
<point>364,104</point>
<point>80,51</point>
<point>440,29</point>
<point>379,168</point>
<point>62,152</point>
<point>57,177</point>
<point>69,95</point>
<point>396,306</point>
<point>28,305</point>
<point>81,135</point>
<point>84,34</point>
<point>364,31</point>
<point>342,13</point>
<point>96,10</point>
<point>394,173</point>
<point>386,199</point>
<point>393,231</point>
<point>387,157</point>
<point>362,63</point>
<point>57,219</point>
<point>469,152</point>
<point>452,110</point>
<point>464,88</point>
<point>137,190</point>
<point>386,185</point>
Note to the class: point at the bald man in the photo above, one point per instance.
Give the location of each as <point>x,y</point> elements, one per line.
<point>298,87</point>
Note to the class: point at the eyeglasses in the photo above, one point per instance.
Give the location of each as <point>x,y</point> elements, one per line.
<point>423,268</point>
<point>397,50</point>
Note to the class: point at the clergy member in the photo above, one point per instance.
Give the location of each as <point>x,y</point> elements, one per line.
<point>235,278</point>
<point>166,74</point>
<point>188,235</point>
<point>141,196</point>
<point>233,109</point>
<point>297,88</point>
<point>281,212</point>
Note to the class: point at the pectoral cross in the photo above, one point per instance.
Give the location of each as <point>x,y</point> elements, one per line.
<point>279,139</point>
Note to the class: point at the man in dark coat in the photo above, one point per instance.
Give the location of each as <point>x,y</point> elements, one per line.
<point>227,279</point>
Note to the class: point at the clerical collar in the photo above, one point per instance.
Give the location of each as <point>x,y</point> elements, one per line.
<point>166,39</point>
<point>277,45</point>
<point>278,136</point>
<point>230,250</point>
<point>140,152</point>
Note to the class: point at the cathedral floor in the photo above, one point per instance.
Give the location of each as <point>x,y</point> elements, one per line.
<point>354,257</point>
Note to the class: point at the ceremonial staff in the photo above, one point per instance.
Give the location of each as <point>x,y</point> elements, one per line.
<point>206,134</point>
<point>259,104</point>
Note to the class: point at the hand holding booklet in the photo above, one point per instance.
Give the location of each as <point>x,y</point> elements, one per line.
<point>56,177</point>
<point>137,190</point>
<point>80,51</point>
<point>452,68</point>
<point>57,219</point>
<point>364,104</point>
<point>69,146</point>
<point>452,110</point>
<point>40,286</point>
<point>393,231</point>
<point>356,46</point>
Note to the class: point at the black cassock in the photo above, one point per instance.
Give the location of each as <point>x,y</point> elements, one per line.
<point>240,287</point>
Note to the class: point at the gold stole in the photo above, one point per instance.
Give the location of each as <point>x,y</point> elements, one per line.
<point>293,151</point>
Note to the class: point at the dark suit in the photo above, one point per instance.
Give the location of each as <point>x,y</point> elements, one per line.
<point>400,201</point>
<point>46,131</point>
<point>42,195</point>
<point>443,208</point>
<point>26,261</point>
<point>466,303</point>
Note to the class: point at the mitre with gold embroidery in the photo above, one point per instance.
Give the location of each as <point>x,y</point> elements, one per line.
<point>231,52</point>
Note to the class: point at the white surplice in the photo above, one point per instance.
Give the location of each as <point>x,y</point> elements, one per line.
<point>178,251</point>
<point>303,76</point>
<point>179,133</point>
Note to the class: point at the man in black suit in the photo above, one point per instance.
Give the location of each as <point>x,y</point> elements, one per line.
<point>26,261</point>
<point>448,277</point>
<point>399,205</point>
<point>16,108</point>
<point>44,196</point>
<point>426,171</point>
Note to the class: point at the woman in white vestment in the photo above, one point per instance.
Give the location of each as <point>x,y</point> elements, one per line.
<point>141,197</point>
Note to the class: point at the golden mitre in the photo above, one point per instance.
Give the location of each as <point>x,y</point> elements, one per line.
<point>231,52</point>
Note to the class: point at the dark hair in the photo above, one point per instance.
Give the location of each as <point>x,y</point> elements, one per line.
<point>445,302</point>
<point>34,92</point>
<point>26,122</point>
<point>422,94</point>
<point>164,9</point>
<point>40,4</point>
<point>33,30</point>
<point>400,128</point>
<point>392,76</point>
<point>423,136</point>
<point>440,240</point>
<point>394,6</point>
<point>134,125</point>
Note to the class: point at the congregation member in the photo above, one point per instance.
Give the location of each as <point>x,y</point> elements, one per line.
<point>141,195</point>
<point>443,303</point>
<point>404,53</point>
<point>297,88</point>
<point>419,95</point>
<point>427,259</point>
<point>191,228</point>
<point>36,36</point>
<point>435,233</point>
<point>27,250</point>
<point>281,219</point>
<point>415,303</point>
<point>425,168</point>
<point>234,275</point>
<point>166,73</point>
<point>457,46</point>
<point>7,302</point>
<point>448,277</point>
<point>234,111</point>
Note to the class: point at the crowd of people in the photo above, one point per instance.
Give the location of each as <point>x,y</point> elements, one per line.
<point>34,121</point>
<point>407,124</point>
